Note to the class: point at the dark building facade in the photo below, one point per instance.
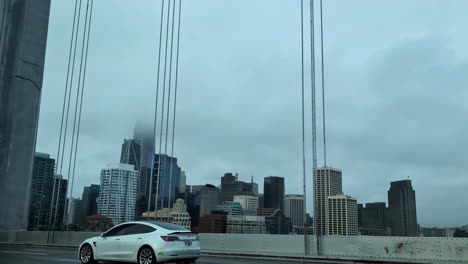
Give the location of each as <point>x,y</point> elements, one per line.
<point>40,204</point>
<point>273,192</point>
<point>166,177</point>
<point>402,217</point>
<point>23,38</point>
<point>373,219</point>
<point>230,186</point>
<point>278,223</point>
<point>89,199</point>
<point>59,197</point>
<point>213,223</point>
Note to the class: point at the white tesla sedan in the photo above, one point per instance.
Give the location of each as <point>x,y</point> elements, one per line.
<point>143,243</point>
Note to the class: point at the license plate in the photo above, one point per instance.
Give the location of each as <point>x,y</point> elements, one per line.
<point>188,243</point>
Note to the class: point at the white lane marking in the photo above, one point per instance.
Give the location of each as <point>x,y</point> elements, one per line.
<point>24,252</point>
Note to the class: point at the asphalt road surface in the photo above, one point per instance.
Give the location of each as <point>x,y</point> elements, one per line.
<point>14,254</point>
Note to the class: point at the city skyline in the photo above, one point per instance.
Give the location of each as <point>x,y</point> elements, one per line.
<point>380,120</point>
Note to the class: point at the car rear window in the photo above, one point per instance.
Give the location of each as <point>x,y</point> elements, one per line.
<point>169,226</point>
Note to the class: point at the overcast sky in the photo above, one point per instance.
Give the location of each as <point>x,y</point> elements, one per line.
<point>396,92</point>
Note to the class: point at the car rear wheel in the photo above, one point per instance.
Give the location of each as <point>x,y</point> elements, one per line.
<point>86,254</point>
<point>146,256</point>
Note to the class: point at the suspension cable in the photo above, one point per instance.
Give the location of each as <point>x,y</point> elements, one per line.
<point>66,119</point>
<point>70,89</point>
<point>82,92</point>
<point>75,119</point>
<point>63,112</point>
<point>323,87</point>
<point>303,124</point>
<point>158,176</point>
<point>155,112</point>
<point>314,127</point>
<point>175,91</point>
<point>169,104</point>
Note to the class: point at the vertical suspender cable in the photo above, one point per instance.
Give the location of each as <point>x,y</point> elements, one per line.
<point>303,126</point>
<point>70,88</point>
<point>168,104</point>
<point>314,127</point>
<point>169,100</point>
<point>158,176</point>
<point>155,112</point>
<point>323,87</point>
<point>85,36</point>
<point>66,119</point>
<point>327,174</point>
<point>75,118</point>
<point>63,114</point>
<point>175,88</point>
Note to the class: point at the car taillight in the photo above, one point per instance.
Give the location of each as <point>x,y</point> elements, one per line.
<point>169,238</point>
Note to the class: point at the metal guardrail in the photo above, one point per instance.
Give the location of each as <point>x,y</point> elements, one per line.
<point>364,248</point>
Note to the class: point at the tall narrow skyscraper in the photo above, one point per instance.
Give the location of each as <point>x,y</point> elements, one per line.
<point>273,192</point>
<point>402,209</point>
<point>143,134</point>
<point>23,37</point>
<point>329,183</point>
<point>41,192</point>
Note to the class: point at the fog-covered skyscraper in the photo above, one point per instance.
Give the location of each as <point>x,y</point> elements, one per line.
<point>23,37</point>
<point>144,136</point>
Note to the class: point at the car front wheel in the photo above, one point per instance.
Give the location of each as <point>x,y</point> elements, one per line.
<point>86,254</point>
<point>146,256</point>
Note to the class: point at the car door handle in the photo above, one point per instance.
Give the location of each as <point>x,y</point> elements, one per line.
<point>140,238</point>
<point>117,239</point>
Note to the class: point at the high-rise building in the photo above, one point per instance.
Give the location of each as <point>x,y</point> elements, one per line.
<point>130,154</point>
<point>342,215</point>
<point>278,223</point>
<point>209,198</point>
<point>23,38</point>
<point>373,219</point>
<point>118,192</point>
<point>402,209</point>
<point>294,209</point>
<point>166,180</point>
<point>89,199</point>
<point>230,186</point>
<point>183,181</point>
<point>41,192</point>
<point>58,200</point>
<point>329,183</point>
<point>273,192</point>
<point>75,215</point>
<point>248,202</point>
<point>143,135</point>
